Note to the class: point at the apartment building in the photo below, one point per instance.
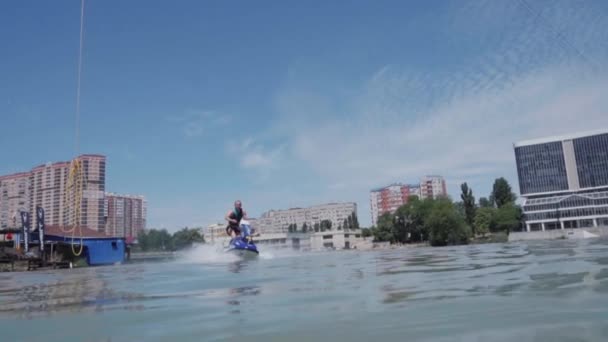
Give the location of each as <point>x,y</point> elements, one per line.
<point>48,186</point>
<point>278,221</point>
<point>389,198</point>
<point>125,215</point>
<point>14,197</point>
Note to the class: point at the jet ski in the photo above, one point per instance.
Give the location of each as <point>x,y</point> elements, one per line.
<point>243,245</point>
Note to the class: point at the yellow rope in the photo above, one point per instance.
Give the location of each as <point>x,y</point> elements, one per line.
<point>72,202</point>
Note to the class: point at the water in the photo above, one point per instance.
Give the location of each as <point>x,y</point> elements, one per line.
<point>539,291</point>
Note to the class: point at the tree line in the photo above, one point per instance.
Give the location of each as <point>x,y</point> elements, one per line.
<point>350,222</point>
<point>161,240</point>
<point>443,222</point>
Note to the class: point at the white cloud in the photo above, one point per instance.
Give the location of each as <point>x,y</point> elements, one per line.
<point>468,135</point>
<point>526,79</point>
<point>256,160</point>
<point>194,123</point>
<point>256,156</point>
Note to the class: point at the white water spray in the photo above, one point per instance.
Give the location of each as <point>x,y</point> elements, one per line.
<point>207,254</point>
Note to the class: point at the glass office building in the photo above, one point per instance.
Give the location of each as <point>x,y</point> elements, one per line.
<point>592,160</point>
<point>541,168</point>
<point>564,181</point>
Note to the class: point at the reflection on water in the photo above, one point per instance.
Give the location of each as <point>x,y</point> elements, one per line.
<point>237,266</point>
<point>496,292</point>
<point>65,291</point>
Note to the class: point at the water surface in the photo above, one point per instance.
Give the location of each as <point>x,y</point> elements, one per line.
<point>537,291</point>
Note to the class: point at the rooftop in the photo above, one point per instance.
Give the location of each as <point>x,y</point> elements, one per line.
<point>308,208</point>
<point>395,184</point>
<point>65,232</point>
<point>559,138</point>
<point>15,175</point>
<point>113,194</point>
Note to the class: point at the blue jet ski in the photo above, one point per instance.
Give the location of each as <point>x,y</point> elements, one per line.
<point>243,245</point>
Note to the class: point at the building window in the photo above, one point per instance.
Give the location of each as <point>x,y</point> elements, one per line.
<point>541,168</point>
<point>592,160</point>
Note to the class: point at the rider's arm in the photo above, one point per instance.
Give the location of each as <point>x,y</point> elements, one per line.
<point>228,217</point>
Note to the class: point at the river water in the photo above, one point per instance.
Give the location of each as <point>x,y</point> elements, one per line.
<point>535,291</point>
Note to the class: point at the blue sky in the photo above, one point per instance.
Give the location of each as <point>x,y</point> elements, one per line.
<point>285,103</point>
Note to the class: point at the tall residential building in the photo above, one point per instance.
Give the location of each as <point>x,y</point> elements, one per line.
<point>125,215</point>
<point>49,184</point>
<point>564,180</point>
<point>93,204</point>
<point>14,197</point>
<point>389,198</point>
<point>48,191</point>
<point>278,221</point>
<point>433,187</point>
<point>45,186</point>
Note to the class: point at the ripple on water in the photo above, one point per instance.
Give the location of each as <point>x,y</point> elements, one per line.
<point>433,294</point>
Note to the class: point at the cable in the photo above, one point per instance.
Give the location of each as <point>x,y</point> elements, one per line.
<point>77,142</point>
<point>74,186</point>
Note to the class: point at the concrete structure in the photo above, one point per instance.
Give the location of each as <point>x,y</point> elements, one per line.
<point>389,198</point>
<point>14,197</point>
<point>125,215</point>
<point>216,233</point>
<point>334,239</point>
<point>278,221</point>
<point>564,181</point>
<point>567,233</point>
<point>432,187</point>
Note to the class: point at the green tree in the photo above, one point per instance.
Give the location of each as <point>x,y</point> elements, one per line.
<point>154,240</point>
<point>325,225</point>
<point>446,226</point>
<point>143,241</point>
<point>350,222</point>
<point>418,213</point>
<point>185,238</point>
<point>304,227</point>
<point>501,193</point>
<point>293,228</point>
<point>355,221</point>
<point>468,200</point>
<point>507,218</point>
<point>484,202</point>
<point>484,220</point>
<point>367,232</point>
<point>384,230</point>
<point>459,207</point>
<point>402,225</point>
<point>317,227</point>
